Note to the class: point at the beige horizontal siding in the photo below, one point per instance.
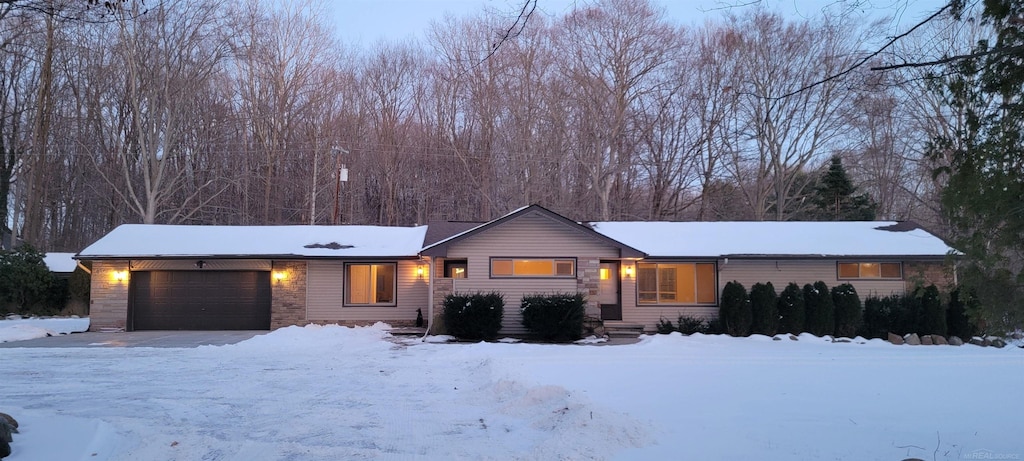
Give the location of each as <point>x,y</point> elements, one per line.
<point>513,291</point>
<point>325,295</point>
<point>530,235</point>
<point>782,272</point>
<point>748,272</point>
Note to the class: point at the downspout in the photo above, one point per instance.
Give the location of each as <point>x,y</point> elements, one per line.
<point>430,296</point>
<point>86,269</point>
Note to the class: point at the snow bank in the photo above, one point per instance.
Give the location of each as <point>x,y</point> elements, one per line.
<point>328,392</point>
<point>15,328</point>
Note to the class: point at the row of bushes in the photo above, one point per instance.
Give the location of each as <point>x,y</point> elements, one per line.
<point>553,317</point>
<point>923,311</point>
<point>816,309</point>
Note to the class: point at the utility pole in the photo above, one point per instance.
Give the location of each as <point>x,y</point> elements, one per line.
<point>342,173</point>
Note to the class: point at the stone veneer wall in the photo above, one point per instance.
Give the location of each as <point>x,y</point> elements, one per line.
<point>588,275</point>
<point>924,273</point>
<point>442,288</point>
<point>288,298</point>
<point>108,299</point>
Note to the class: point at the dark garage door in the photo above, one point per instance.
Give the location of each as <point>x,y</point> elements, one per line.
<point>200,300</point>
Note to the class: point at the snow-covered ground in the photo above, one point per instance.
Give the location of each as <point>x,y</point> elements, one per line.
<point>15,328</point>
<point>354,393</point>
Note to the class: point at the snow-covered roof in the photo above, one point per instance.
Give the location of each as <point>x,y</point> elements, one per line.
<point>169,241</point>
<point>60,262</point>
<point>720,239</point>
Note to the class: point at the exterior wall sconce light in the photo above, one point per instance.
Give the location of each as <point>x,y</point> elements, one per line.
<point>629,271</point>
<point>419,271</point>
<point>280,275</point>
<point>120,276</point>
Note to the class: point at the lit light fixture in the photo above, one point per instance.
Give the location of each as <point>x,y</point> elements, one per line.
<point>279,275</point>
<point>629,271</point>
<point>120,276</point>
<point>419,271</point>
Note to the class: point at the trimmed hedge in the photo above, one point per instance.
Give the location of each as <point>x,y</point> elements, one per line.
<point>792,312</point>
<point>735,312</point>
<point>849,314</point>
<point>933,313</point>
<point>957,322</point>
<point>820,320</point>
<point>554,317</point>
<point>877,312</point>
<point>764,304</point>
<point>473,316</point>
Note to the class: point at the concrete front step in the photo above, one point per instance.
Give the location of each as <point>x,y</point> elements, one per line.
<point>623,330</point>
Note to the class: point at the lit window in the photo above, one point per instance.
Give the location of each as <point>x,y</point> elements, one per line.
<point>676,283</point>
<point>532,267</point>
<point>455,268</point>
<point>370,284</point>
<point>870,270</point>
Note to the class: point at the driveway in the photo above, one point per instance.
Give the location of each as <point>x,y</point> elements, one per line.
<point>171,339</point>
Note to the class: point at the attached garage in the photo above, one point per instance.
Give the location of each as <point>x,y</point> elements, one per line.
<point>199,300</point>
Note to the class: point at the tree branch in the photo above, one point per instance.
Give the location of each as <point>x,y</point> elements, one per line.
<point>867,58</point>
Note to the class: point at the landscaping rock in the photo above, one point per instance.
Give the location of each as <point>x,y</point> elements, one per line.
<point>895,339</point>
<point>939,340</point>
<point>5,449</point>
<point>977,341</point>
<point>955,341</point>
<point>841,340</point>
<point>793,337</point>
<point>776,338</point>
<point>912,339</point>
<point>10,420</point>
<point>5,431</point>
<point>926,340</point>
<point>998,343</point>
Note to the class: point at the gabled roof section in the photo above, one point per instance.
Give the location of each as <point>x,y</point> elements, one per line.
<point>440,230</point>
<point>778,239</point>
<point>141,241</point>
<point>440,248</point>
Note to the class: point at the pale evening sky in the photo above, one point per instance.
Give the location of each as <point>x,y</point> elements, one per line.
<point>367,21</point>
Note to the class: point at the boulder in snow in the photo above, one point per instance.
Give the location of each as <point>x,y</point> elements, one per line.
<point>926,340</point>
<point>955,341</point>
<point>912,339</point>
<point>895,339</point>
<point>978,341</point>
<point>997,342</point>
<point>10,420</point>
<point>939,340</point>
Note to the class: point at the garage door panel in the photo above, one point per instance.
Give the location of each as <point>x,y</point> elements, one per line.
<point>200,300</point>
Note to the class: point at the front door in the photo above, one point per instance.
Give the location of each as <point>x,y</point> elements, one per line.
<point>609,291</point>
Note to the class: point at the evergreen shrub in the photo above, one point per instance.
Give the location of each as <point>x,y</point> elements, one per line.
<point>473,315</point>
<point>848,312</point>
<point>820,313</point>
<point>764,304</point>
<point>792,312</point>
<point>554,317</point>
<point>734,311</point>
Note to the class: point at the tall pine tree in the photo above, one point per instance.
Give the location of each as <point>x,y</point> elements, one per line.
<point>834,197</point>
<point>984,162</point>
